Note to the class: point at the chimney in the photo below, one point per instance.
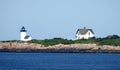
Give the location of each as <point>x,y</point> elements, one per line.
<point>84,27</point>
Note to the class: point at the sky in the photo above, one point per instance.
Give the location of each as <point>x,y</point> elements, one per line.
<point>46,19</point>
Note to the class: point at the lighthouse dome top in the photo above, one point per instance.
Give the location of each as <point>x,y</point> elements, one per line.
<point>23,29</point>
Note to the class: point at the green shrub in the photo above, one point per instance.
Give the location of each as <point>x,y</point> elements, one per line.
<point>53,41</point>
<point>114,42</point>
<point>99,41</point>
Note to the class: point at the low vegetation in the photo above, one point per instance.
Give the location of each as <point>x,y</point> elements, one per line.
<point>53,41</point>
<point>109,40</point>
<point>113,40</point>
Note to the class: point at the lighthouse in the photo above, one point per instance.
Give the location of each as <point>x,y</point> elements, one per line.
<point>23,35</point>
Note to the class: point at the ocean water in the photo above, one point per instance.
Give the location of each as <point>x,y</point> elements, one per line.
<point>59,61</point>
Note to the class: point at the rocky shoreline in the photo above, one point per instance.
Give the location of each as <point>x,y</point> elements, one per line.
<point>60,48</point>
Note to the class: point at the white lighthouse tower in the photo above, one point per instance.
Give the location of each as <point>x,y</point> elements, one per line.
<point>23,35</point>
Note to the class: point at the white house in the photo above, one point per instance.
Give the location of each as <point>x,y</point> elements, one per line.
<point>23,35</point>
<point>84,33</point>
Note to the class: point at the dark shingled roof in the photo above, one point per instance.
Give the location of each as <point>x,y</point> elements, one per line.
<point>26,37</point>
<point>84,31</point>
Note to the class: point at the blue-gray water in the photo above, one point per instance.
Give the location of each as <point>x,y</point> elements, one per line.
<point>59,61</point>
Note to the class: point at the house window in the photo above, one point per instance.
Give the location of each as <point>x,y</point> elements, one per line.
<point>89,33</point>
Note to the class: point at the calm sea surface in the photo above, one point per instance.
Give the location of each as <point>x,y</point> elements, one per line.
<point>59,61</point>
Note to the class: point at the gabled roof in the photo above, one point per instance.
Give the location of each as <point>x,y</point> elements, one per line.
<point>84,31</point>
